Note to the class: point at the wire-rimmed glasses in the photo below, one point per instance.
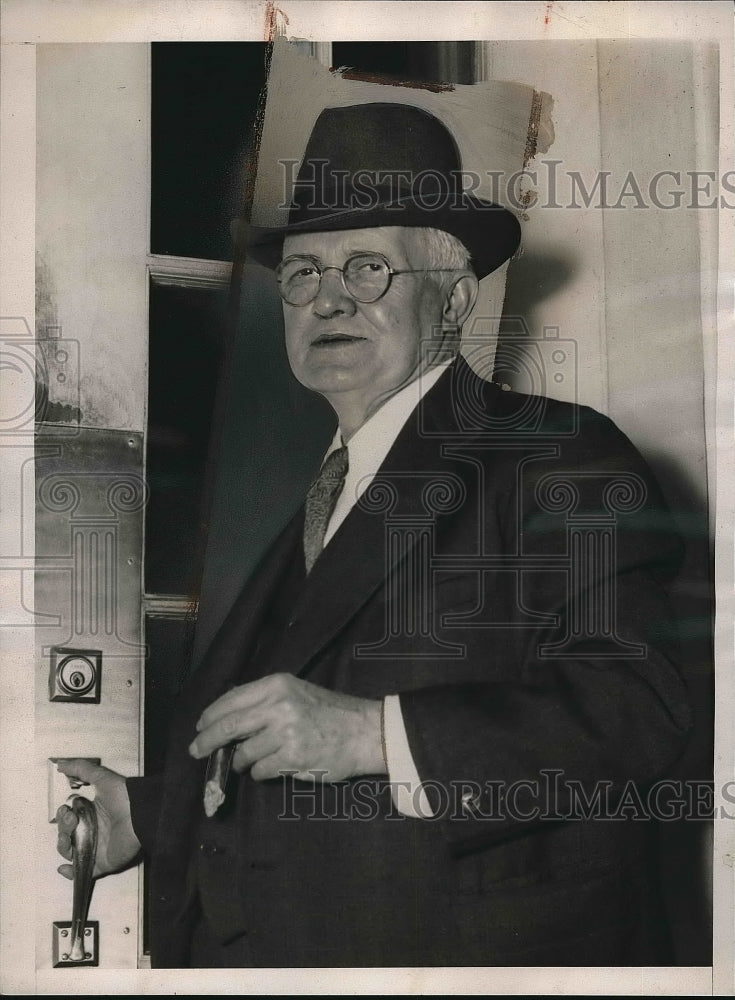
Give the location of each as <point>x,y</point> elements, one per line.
<point>365,276</point>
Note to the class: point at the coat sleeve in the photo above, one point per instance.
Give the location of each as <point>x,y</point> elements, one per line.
<point>566,718</point>
<point>145,800</point>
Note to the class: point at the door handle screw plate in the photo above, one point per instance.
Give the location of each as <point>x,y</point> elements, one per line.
<point>62,944</point>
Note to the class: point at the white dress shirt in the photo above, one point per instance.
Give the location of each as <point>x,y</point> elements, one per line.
<point>367,449</point>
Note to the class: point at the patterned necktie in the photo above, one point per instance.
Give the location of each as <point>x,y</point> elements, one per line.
<point>320,501</point>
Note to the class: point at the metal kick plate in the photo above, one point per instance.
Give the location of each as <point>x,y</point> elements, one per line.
<point>62,944</point>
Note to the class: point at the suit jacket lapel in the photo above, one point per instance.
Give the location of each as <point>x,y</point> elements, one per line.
<point>223,663</point>
<point>356,562</point>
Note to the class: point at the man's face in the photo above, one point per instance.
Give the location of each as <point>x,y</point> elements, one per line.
<point>336,344</point>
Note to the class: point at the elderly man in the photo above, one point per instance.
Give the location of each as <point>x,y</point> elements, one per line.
<point>395,749</point>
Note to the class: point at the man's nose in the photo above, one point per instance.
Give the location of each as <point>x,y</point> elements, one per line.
<point>333,299</point>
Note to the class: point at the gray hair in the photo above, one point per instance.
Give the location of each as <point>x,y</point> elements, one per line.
<point>440,249</point>
<point>448,257</point>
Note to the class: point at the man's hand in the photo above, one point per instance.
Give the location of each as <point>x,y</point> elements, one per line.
<point>117,844</point>
<point>288,724</point>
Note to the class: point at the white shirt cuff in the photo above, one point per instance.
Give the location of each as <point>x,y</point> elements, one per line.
<point>409,797</point>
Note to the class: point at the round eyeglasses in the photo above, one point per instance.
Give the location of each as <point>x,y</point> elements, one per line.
<point>365,276</point>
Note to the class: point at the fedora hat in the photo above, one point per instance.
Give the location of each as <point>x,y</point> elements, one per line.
<point>388,165</point>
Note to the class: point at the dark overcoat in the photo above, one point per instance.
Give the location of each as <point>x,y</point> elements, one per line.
<point>505,573</point>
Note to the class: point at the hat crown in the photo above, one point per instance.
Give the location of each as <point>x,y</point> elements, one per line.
<point>388,150</point>
<point>382,137</point>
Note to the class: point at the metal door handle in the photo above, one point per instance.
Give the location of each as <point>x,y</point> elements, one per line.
<point>84,850</point>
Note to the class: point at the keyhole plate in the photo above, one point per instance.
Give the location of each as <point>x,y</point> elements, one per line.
<point>75,675</point>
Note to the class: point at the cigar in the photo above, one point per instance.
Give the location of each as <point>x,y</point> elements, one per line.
<point>215,781</point>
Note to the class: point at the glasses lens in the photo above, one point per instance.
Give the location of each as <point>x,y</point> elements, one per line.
<point>367,275</point>
<point>298,280</point>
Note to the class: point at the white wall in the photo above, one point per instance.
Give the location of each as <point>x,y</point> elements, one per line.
<point>560,279</point>
<point>631,295</point>
<point>92,224</point>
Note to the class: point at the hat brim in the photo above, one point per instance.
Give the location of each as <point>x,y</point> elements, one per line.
<point>490,232</point>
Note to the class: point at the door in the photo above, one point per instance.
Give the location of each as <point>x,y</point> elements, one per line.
<point>139,167</point>
<point>91,234</point>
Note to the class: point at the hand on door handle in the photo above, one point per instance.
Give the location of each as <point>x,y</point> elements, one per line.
<point>84,850</point>
<point>117,846</point>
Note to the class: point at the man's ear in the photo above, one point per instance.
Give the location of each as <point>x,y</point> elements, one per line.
<point>460,300</point>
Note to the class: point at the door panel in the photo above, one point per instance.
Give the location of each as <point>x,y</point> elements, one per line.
<point>90,496</point>
<point>91,298</point>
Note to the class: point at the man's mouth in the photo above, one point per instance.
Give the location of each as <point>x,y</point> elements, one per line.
<point>327,339</point>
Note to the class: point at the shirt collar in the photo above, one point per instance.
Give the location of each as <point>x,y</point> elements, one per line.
<point>369,445</point>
